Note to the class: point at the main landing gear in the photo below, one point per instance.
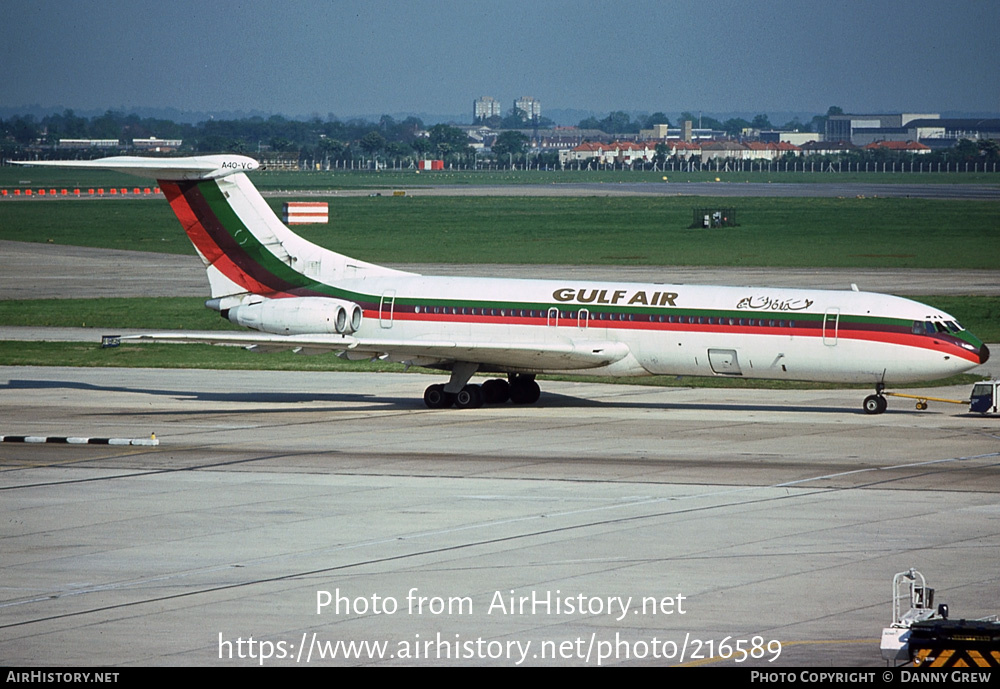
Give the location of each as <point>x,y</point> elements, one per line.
<point>518,388</point>
<point>875,404</point>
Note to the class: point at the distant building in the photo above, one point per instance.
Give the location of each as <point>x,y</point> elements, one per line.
<point>564,138</point>
<point>794,138</point>
<point>899,147</point>
<point>928,129</point>
<point>724,150</point>
<point>531,108</point>
<point>770,150</point>
<point>865,129</point>
<point>157,145</point>
<point>586,152</point>
<point>955,129</point>
<point>627,152</point>
<point>485,108</point>
<point>88,143</point>
<point>686,132</point>
<point>828,148</point>
<point>656,131</point>
<point>683,150</point>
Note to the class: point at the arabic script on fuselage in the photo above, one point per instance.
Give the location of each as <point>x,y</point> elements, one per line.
<point>770,304</point>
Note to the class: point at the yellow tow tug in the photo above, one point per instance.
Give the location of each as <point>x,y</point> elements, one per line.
<point>984,398</point>
<point>922,400</point>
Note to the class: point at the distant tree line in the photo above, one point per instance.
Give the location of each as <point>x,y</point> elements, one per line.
<point>619,122</point>
<point>313,140</point>
<point>358,142</point>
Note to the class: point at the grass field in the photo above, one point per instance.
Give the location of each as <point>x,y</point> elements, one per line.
<point>781,232</point>
<point>154,313</point>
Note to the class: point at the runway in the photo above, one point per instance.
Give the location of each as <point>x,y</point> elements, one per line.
<point>677,519</point>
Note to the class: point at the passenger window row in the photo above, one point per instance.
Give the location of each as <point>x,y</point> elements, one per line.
<point>606,316</point>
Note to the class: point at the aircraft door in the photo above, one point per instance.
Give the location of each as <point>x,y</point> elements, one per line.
<point>583,319</point>
<point>831,325</point>
<point>386,308</point>
<point>725,362</point>
<point>553,317</point>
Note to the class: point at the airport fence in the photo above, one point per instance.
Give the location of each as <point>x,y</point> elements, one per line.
<point>721,165</point>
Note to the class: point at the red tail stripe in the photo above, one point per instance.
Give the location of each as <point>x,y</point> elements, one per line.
<point>203,241</point>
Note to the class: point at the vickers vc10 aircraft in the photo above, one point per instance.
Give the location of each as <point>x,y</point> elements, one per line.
<point>303,297</point>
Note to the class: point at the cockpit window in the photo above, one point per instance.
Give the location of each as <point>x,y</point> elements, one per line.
<point>934,327</point>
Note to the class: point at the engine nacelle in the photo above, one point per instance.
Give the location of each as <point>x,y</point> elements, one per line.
<point>298,316</point>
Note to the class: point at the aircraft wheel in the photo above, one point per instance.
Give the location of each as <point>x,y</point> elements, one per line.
<point>469,397</point>
<point>524,391</point>
<point>875,404</point>
<point>496,391</point>
<point>921,405</point>
<point>436,398</point>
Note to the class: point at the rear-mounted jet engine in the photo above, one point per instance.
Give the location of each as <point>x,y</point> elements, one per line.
<point>298,316</point>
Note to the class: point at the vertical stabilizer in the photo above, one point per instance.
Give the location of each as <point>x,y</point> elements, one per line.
<point>247,249</point>
<point>244,245</point>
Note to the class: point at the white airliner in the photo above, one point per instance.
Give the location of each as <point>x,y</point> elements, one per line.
<point>303,297</point>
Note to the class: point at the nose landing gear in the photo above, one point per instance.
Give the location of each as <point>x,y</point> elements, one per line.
<point>875,404</point>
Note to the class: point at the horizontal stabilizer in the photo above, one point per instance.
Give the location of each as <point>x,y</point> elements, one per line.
<point>174,169</point>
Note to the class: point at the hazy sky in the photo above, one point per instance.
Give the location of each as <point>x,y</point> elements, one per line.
<point>352,58</point>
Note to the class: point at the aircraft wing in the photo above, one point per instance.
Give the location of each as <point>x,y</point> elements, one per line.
<point>532,356</point>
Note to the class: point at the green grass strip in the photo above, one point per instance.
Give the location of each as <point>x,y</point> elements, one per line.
<point>779,232</point>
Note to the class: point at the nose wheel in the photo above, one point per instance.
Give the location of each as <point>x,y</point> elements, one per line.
<point>875,404</point>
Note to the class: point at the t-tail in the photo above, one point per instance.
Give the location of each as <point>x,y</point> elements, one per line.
<point>248,252</point>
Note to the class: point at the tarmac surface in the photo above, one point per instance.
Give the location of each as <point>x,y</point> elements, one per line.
<point>761,517</point>
<point>608,524</point>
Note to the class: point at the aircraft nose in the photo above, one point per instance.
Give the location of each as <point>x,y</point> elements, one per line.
<point>984,354</point>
